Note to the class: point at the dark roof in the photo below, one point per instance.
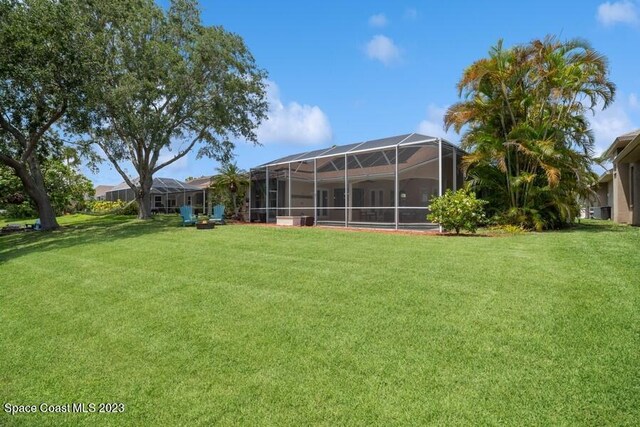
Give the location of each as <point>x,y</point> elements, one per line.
<point>389,142</point>
<point>161,185</point>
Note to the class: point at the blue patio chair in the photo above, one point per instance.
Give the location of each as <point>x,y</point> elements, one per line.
<point>188,218</point>
<point>218,214</point>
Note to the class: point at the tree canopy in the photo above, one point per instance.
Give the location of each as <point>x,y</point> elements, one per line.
<point>168,84</point>
<point>524,116</point>
<point>43,74</point>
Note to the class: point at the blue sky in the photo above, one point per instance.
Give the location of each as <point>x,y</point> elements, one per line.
<point>342,72</point>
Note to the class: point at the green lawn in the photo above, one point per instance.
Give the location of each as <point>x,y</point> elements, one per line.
<point>294,326</point>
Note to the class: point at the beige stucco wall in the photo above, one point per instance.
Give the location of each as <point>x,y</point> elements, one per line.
<point>610,193</point>
<point>635,210</point>
<point>626,209</point>
<point>621,212</point>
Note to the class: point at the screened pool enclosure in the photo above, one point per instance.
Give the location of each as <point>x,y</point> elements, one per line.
<point>167,195</point>
<point>384,183</point>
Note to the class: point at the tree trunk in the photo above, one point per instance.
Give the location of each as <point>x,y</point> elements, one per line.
<point>143,197</point>
<point>235,205</point>
<point>45,210</point>
<point>33,183</point>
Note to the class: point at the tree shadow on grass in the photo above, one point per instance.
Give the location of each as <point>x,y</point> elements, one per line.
<point>97,229</point>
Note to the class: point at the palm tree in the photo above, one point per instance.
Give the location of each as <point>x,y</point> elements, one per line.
<point>525,126</point>
<point>231,183</point>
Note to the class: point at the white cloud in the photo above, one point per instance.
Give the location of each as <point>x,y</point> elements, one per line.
<point>411,14</point>
<point>293,123</point>
<point>608,124</point>
<point>379,20</point>
<point>383,49</point>
<point>433,124</point>
<point>633,101</point>
<point>619,12</point>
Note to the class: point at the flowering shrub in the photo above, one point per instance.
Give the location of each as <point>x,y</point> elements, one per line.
<point>457,211</point>
<point>103,206</point>
<point>117,207</point>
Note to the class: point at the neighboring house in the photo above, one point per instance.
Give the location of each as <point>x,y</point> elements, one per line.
<point>203,182</point>
<point>624,189</point>
<point>384,183</point>
<point>168,195</point>
<point>600,208</point>
<point>101,191</point>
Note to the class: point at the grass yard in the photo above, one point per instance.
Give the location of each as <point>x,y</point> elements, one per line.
<point>293,326</point>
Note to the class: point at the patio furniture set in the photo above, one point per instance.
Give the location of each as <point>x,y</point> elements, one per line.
<point>202,222</point>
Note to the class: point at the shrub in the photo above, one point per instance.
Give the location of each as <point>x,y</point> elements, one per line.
<point>130,208</point>
<point>509,228</point>
<point>22,210</point>
<point>457,211</point>
<point>102,207</point>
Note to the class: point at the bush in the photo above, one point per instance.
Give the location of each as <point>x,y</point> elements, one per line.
<point>22,210</point>
<point>509,228</point>
<point>457,211</point>
<point>102,207</point>
<point>130,208</point>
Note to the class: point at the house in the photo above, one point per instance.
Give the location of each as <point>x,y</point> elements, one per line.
<point>101,190</point>
<point>624,187</point>
<point>600,207</point>
<point>203,182</point>
<point>168,195</point>
<point>383,183</point>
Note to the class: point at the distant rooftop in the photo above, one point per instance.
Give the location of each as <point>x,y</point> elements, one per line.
<point>630,135</point>
<point>201,182</point>
<point>100,190</point>
<point>620,142</point>
<point>390,142</point>
<point>161,185</point>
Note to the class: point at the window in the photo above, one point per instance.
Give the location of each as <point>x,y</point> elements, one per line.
<point>157,201</point>
<point>189,200</point>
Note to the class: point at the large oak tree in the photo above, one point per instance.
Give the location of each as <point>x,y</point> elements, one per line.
<point>167,85</point>
<point>43,73</point>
